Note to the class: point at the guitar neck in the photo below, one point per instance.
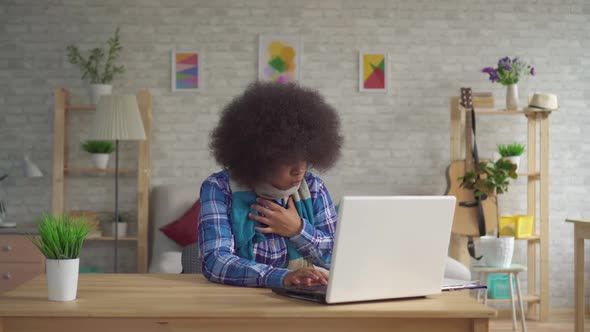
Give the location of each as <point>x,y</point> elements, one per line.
<point>468,141</point>
<point>467,107</point>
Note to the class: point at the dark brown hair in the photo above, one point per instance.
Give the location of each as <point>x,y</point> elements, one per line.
<point>273,124</point>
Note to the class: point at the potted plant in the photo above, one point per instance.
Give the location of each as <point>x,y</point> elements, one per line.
<point>508,72</point>
<point>99,150</point>
<point>121,226</point>
<point>99,75</point>
<point>60,240</point>
<point>486,179</point>
<point>511,152</point>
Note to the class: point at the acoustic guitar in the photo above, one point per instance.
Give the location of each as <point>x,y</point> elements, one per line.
<point>468,209</point>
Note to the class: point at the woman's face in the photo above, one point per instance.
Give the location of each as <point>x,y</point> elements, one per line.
<point>288,176</point>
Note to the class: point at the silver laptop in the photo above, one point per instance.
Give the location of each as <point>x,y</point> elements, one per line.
<point>386,247</point>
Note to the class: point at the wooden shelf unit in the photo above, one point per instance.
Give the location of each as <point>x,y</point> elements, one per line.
<point>62,169</point>
<point>537,176</point>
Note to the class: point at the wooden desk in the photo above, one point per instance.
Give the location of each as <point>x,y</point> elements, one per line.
<point>581,232</point>
<point>158,302</point>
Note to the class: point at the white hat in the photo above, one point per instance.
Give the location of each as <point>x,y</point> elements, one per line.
<point>544,101</point>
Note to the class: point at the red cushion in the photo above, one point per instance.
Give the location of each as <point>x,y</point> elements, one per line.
<point>184,229</point>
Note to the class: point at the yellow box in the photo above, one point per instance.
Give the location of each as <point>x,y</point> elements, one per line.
<point>519,226</point>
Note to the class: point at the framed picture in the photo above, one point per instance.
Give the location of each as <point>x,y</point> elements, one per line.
<point>186,70</point>
<point>279,58</point>
<point>373,72</point>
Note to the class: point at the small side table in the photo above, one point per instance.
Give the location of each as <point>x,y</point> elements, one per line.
<point>581,232</point>
<point>512,271</point>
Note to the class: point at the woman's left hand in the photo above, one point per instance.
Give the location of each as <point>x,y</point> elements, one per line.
<point>280,221</point>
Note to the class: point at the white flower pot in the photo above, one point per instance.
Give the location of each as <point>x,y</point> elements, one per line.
<point>497,251</point>
<point>100,160</point>
<point>97,90</point>
<point>121,229</point>
<point>62,279</point>
<point>515,160</point>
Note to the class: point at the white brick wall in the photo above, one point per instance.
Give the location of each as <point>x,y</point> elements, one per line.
<point>395,143</point>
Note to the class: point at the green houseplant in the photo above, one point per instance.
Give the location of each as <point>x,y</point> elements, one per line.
<point>100,151</point>
<point>511,152</point>
<point>488,178</point>
<point>98,74</point>
<point>60,240</point>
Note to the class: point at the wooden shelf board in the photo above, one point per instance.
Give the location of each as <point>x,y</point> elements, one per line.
<point>97,171</point>
<point>111,238</point>
<point>80,108</point>
<point>532,238</point>
<point>525,298</point>
<point>491,111</point>
<point>487,111</point>
<point>531,175</point>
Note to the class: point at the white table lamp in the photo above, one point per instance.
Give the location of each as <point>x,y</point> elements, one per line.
<point>30,170</point>
<point>117,119</point>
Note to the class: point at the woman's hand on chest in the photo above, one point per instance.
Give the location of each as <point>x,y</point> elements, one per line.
<point>281,221</point>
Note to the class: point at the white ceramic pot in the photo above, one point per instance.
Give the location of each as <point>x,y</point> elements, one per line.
<point>62,279</point>
<point>97,90</point>
<point>497,251</point>
<point>100,160</point>
<point>512,97</point>
<point>515,160</point>
<point>121,229</point>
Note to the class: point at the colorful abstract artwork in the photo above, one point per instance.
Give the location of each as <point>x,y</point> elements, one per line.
<point>373,72</point>
<point>279,58</point>
<point>186,70</point>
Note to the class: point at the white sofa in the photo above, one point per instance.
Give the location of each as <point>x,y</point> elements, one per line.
<point>168,202</point>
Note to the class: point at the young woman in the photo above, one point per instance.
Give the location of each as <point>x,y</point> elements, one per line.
<point>265,220</point>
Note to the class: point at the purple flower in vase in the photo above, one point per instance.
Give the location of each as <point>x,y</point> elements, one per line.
<point>508,71</point>
<point>503,61</point>
<point>492,72</point>
<point>488,70</point>
<point>494,77</point>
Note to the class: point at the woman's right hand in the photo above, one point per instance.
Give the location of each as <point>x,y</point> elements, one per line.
<point>306,276</point>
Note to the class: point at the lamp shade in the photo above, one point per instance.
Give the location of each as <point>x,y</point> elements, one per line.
<point>30,169</point>
<point>117,118</point>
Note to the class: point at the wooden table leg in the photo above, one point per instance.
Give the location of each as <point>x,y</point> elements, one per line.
<point>579,279</point>
<point>481,325</point>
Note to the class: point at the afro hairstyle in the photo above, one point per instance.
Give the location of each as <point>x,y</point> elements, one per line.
<point>274,124</point>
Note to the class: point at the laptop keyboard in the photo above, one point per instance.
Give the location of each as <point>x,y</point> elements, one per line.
<point>309,289</point>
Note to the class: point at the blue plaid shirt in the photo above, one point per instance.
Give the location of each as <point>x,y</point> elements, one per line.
<point>268,269</point>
